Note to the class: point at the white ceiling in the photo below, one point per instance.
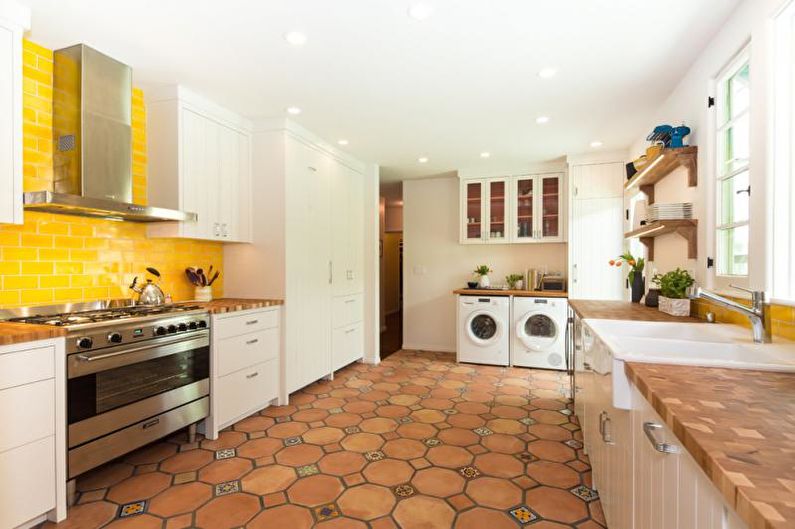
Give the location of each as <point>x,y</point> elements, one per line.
<point>459,83</point>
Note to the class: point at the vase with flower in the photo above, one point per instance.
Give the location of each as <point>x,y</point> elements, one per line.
<point>635,277</point>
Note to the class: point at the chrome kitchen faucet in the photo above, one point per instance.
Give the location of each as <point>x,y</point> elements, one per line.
<point>758,312</point>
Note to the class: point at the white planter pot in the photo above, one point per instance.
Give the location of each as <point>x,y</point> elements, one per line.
<point>203,293</point>
<point>484,282</point>
<point>675,307</point>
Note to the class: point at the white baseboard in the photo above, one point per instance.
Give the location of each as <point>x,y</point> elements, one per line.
<point>426,347</point>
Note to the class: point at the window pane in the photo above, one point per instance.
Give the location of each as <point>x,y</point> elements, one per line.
<point>738,94</point>
<point>734,146</point>
<point>733,251</point>
<point>735,199</point>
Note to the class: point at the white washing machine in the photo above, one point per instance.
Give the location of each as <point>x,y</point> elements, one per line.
<point>538,335</point>
<point>483,333</point>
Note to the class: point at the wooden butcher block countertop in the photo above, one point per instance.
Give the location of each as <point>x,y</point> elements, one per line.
<point>224,305</point>
<point>13,333</point>
<point>739,426</point>
<point>623,310</point>
<point>517,293</point>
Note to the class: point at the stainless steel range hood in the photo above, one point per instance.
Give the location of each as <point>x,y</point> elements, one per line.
<point>92,133</point>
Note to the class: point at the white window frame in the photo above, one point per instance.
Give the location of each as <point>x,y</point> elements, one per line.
<point>719,281</point>
<point>781,268</point>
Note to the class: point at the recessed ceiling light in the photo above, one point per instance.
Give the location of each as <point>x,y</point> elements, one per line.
<point>296,38</point>
<point>541,120</point>
<point>485,155</point>
<point>547,73</point>
<point>596,144</point>
<point>293,110</point>
<point>420,11</point>
<point>422,159</point>
<point>342,142</point>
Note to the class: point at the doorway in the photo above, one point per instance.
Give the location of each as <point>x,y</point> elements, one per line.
<point>391,268</point>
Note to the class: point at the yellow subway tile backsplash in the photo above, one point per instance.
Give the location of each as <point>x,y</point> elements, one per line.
<point>58,258</point>
<point>782,316</point>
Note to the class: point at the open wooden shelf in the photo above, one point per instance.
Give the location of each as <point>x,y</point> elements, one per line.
<point>661,166</point>
<point>687,228</point>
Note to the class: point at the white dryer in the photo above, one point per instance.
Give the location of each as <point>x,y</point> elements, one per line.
<point>483,334</point>
<point>538,335</point>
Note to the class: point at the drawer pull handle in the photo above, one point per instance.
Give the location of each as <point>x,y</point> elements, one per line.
<point>350,301</point>
<point>649,428</point>
<point>350,331</point>
<point>252,342</point>
<point>252,375</point>
<point>252,322</point>
<point>153,422</point>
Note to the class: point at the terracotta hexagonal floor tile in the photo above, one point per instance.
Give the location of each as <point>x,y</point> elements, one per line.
<point>362,442</point>
<point>226,439</point>
<point>323,435</point>
<point>550,431</point>
<point>315,490</point>
<point>424,512</point>
<point>87,516</point>
<point>449,456</point>
<point>141,521</point>
<point>459,437</point>
<point>504,444</point>
<point>417,430</point>
<point>499,465</point>
<point>287,429</point>
<point>473,408</point>
<point>310,415</point>
<point>269,479</point>
<point>508,412</point>
<point>378,425</point>
<point>255,423</point>
<point>342,463</point>
<point>404,449</point>
<point>187,461</point>
<point>549,417</point>
<point>492,492</point>
<point>388,472</point>
<point>553,474</point>
<point>343,420</point>
<point>361,406</point>
<point>481,518</point>
<point>104,476</point>
<point>140,487</point>
<point>341,523</point>
<point>226,512</point>
<point>180,499</point>
<point>428,416</point>
<point>366,502</point>
<point>551,451</point>
<point>264,446</point>
<point>403,399</point>
<point>153,453</point>
<point>506,426</point>
<point>299,455</point>
<point>556,504</point>
<point>392,411</point>
<point>466,421</point>
<point>439,482</point>
<point>225,470</point>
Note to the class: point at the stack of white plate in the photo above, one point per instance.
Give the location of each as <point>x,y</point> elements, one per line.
<point>679,211</point>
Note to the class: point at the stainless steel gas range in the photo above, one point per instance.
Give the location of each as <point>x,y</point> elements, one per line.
<point>134,374</point>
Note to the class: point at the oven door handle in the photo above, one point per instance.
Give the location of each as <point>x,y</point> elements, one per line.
<point>83,357</point>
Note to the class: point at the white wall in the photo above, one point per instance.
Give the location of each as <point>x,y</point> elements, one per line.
<point>435,264</point>
<point>751,22</point>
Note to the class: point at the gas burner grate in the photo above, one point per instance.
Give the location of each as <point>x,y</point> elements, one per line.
<point>96,316</point>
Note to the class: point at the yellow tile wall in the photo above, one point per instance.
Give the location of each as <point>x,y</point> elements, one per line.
<point>61,258</point>
<point>783,316</point>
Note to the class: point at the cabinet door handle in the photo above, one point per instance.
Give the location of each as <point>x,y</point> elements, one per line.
<point>650,429</point>
<point>252,322</point>
<point>330,272</point>
<point>350,301</point>
<point>252,342</point>
<point>252,375</point>
<point>225,230</point>
<point>350,331</point>
<point>602,424</point>
<point>606,437</point>
<point>217,229</point>
<point>574,270</point>
<point>153,422</point>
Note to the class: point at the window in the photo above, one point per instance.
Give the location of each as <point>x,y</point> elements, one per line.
<point>733,175</point>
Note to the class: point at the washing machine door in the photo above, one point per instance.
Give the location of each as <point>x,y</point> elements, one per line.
<point>538,331</point>
<point>484,328</point>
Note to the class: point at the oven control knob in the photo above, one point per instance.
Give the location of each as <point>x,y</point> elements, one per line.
<point>114,337</point>
<point>172,329</point>
<point>85,343</point>
<point>183,327</point>
<point>193,325</point>
<point>202,324</point>
<point>160,331</point>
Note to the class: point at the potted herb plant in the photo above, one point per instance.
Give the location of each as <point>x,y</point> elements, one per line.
<point>483,272</point>
<point>673,292</point>
<point>635,276</point>
<point>515,281</point>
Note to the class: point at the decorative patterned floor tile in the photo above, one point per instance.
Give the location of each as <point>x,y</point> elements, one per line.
<point>335,410</point>
<point>326,512</point>
<point>566,411</point>
<point>404,491</point>
<point>132,509</point>
<point>482,431</point>
<point>292,441</point>
<point>585,493</point>
<point>225,453</point>
<point>450,411</point>
<point>375,455</point>
<point>352,429</point>
<point>527,421</point>
<point>523,515</point>
<point>469,472</point>
<point>308,470</point>
<point>574,444</point>
<point>227,487</point>
<point>431,442</point>
<point>405,419</point>
<point>286,418</point>
<point>527,457</point>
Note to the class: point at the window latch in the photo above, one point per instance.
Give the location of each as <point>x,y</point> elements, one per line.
<point>747,190</point>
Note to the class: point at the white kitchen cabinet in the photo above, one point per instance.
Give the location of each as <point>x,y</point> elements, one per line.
<point>245,365</point>
<point>14,20</point>
<point>200,162</point>
<point>33,444</point>
<point>347,218</point>
<point>596,207</point>
<point>512,209</point>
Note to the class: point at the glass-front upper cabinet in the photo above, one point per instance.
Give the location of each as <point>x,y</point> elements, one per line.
<point>524,227</point>
<point>550,207</point>
<point>497,211</point>
<point>472,209</point>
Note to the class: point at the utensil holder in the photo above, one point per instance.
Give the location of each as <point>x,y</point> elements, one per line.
<point>203,293</point>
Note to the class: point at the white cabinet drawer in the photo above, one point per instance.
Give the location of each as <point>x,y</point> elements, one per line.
<point>347,310</point>
<point>246,390</point>
<point>24,367</point>
<point>347,345</point>
<point>238,352</point>
<point>27,482</point>
<point>245,322</point>
<point>28,413</point>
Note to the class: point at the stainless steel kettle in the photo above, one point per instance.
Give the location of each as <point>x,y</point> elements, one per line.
<point>150,293</point>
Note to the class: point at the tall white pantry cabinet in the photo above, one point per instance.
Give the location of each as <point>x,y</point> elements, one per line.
<point>308,242</point>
